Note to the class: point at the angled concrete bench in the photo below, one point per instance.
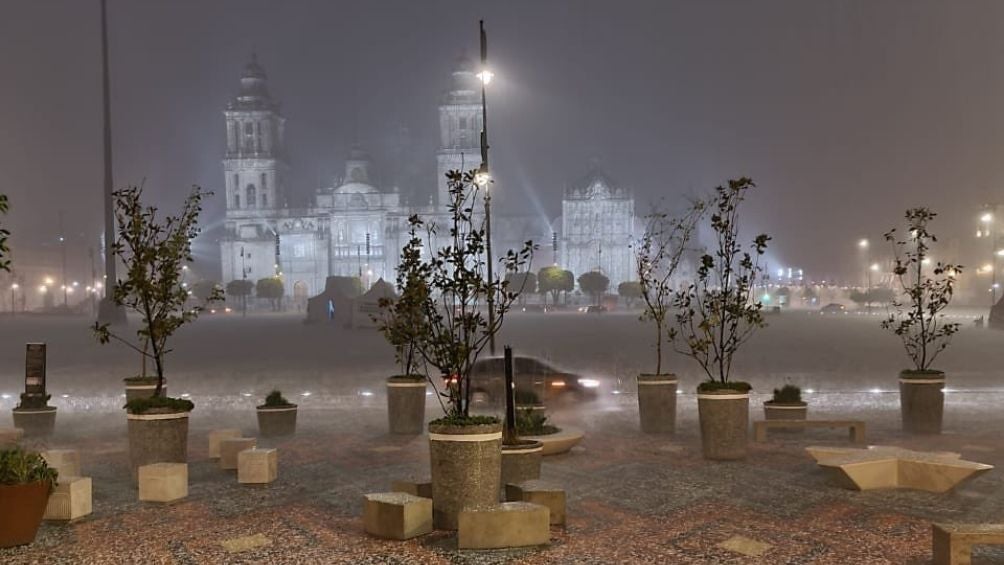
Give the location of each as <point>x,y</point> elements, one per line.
<point>953,543</point>
<point>894,467</point>
<point>856,427</point>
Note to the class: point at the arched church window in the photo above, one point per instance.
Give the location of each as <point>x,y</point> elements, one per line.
<point>252,199</point>
<point>264,185</point>
<point>264,199</point>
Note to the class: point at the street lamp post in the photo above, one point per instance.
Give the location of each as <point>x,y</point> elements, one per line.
<point>483,180</point>
<point>991,232</point>
<point>13,289</point>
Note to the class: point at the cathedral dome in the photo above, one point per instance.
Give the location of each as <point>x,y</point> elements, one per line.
<point>465,87</point>
<point>254,90</point>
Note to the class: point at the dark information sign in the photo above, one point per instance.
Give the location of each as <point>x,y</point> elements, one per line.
<point>34,369</point>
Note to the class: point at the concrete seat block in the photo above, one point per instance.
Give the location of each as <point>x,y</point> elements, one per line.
<point>422,487</point>
<point>9,437</point>
<point>70,499</point>
<point>65,461</point>
<point>230,447</point>
<point>539,492</point>
<point>257,466</point>
<point>952,544</point>
<point>216,436</point>
<point>397,515</point>
<point>510,524</point>
<point>163,482</point>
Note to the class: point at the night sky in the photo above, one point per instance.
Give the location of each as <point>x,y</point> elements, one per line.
<point>845,113</point>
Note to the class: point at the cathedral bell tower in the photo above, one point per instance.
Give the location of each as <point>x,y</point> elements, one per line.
<point>459,127</point>
<point>254,167</point>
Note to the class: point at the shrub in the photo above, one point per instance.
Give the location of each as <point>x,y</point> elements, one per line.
<point>529,423</point>
<point>34,400</point>
<point>19,467</point>
<point>788,394</point>
<point>275,398</point>
<point>158,405</point>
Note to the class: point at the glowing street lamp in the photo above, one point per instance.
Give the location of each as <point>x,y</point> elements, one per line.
<point>486,76</point>
<point>863,244</point>
<point>987,218</point>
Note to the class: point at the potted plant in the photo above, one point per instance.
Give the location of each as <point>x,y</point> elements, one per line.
<point>716,315</point>
<point>34,415</point>
<point>25,484</point>
<point>402,324</point>
<point>277,417</point>
<point>786,404</point>
<point>462,312</point>
<point>154,252</point>
<point>919,322</point>
<point>660,254</point>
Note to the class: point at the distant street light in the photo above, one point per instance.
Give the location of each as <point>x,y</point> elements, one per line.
<point>987,218</point>
<point>863,244</point>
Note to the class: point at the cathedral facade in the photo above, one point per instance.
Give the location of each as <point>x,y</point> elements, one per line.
<point>354,228</point>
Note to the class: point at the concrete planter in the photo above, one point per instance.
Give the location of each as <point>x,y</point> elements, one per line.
<point>724,417</point>
<point>657,403</point>
<point>21,509</point>
<point>922,401</point>
<point>36,422</point>
<point>157,438</point>
<point>406,405</point>
<point>787,411</point>
<point>142,388</point>
<point>521,462</point>
<point>466,463</point>
<point>276,421</point>
<point>560,442</point>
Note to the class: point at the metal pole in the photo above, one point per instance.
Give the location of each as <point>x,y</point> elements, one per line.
<point>62,252</point>
<point>109,312</point>
<point>488,196</point>
<point>509,437</point>
<point>244,288</point>
<point>993,267</point>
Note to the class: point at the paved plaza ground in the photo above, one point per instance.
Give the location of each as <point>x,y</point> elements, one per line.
<point>631,498</point>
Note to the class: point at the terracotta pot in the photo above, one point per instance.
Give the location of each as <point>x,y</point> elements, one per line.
<point>406,405</point>
<point>922,401</point>
<point>21,511</point>
<point>276,421</point>
<point>36,422</point>
<point>157,438</point>
<point>657,403</point>
<point>142,388</point>
<point>521,461</point>
<point>724,417</point>
<point>466,463</point>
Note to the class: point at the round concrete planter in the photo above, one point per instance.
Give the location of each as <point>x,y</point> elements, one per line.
<point>724,417</point>
<point>657,403</point>
<point>36,422</point>
<point>21,511</point>
<point>466,463</point>
<point>557,443</point>
<point>275,421</point>
<point>157,438</point>
<point>922,401</point>
<point>787,411</point>
<point>521,461</point>
<point>142,388</point>
<point>406,405</point>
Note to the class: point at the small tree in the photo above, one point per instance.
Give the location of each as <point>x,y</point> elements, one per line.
<point>204,289</point>
<point>457,330</point>
<point>4,234</point>
<point>549,280</point>
<point>919,322</point>
<point>659,256</point>
<point>718,313</point>
<point>154,252</point>
<point>522,284</point>
<point>240,288</point>
<point>272,289</point>
<point>629,291</point>
<point>567,283</point>
<point>595,284</point>
<point>402,320</point>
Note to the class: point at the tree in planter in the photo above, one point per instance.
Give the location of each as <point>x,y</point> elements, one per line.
<point>660,254</point>
<point>272,289</point>
<point>457,330</point>
<point>595,284</point>
<point>154,252</point>
<point>919,322</point>
<point>402,320</point>
<point>718,313</point>
<point>4,234</point>
<point>629,291</point>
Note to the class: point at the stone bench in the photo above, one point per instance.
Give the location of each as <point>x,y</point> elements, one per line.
<point>539,492</point>
<point>230,447</point>
<point>510,524</point>
<point>397,515</point>
<point>217,436</point>
<point>421,487</point>
<point>856,427</point>
<point>953,543</point>
<point>9,437</point>
<point>894,467</point>
<point>257,466</point>
<point>163,482</point>
<point>70,499</point>
<point>65,461</point>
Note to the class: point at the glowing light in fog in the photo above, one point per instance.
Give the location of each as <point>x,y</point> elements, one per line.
<point>589,383</point>
<point>365,393</point>
<point>876,391</point>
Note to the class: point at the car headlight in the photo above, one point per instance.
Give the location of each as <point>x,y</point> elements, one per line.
<point>558,383</point>
<point>589,383</point>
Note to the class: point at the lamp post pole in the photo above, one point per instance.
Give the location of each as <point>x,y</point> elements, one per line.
<point>108,311</point>
<point>483,173</point>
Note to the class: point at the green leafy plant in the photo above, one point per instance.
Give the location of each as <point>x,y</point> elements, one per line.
<point>154,252</point>
<point>660,254</point>
<point>718,313</point>
<point>158,405</point>
<point>454,308</point>
<point>402,319</point>
<point>787,394</point>
<point>276,399</point>
<point>20,467</point>
<point>272,289</point>
<point>594,283</point>
<point>919,322</point>
<point>529,423</point>
<point>555,280</point>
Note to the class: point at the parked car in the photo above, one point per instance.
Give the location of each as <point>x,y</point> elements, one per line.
<point>594,309</point>
<point>833,308</point>
<point>530,374</point>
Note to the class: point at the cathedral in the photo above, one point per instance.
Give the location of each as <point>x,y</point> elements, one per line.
<point>355,228</point>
